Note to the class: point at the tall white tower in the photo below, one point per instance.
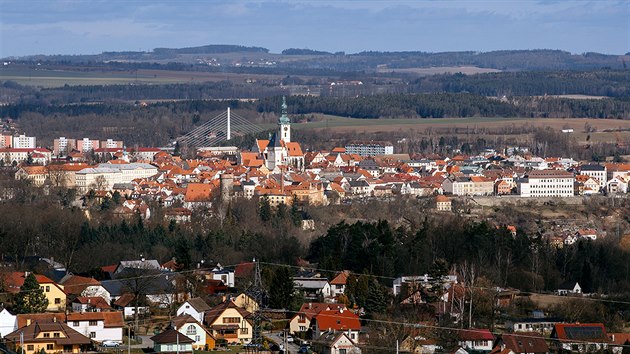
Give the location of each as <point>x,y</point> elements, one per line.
<point>284,123</point>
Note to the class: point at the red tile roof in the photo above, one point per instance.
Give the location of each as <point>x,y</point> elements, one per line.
<point>338,320</point>
<point>475,334</point>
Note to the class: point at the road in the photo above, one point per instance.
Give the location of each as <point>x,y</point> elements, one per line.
<point>279,339</point>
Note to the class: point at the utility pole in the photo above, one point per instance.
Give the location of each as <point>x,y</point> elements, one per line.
<point>257,292</point>
<point>129,340</point>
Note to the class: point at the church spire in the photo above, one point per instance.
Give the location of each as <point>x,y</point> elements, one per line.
<point>284,118</point>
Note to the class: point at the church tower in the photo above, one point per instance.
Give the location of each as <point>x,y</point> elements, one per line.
<point>284,123</point>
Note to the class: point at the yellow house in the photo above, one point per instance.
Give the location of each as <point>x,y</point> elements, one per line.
<point>246,302</point>
<point>229,322</point>
<point>54,293</point>
<point>52,337</point>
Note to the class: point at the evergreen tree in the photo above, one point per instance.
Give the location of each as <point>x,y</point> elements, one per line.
<point>296,215</point>
<point>377,300</point>
<point>264,211</point>
<point>586,279</point>
<point>281,290</point>
<point>31,298</point>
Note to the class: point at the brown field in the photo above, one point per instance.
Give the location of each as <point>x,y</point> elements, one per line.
<point>374,125</point>
<point>605,130</point>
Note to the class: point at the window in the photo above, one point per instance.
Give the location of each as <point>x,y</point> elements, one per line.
<point>302,328</point>
<point>46,335</point>
<point>29,347</point>
<point>92,323</point>
<point>169,347</point>
<point>57,301</point>
<point>342,351</point>
<point>47,288</point>
<point>231,319</point>
<point>352,335</point>
<point>197,338</point>
<point>75,323</point>
<point>244,330</point>
<point>191,330</point>
<point>92,334</point>
<point>50,346</point>
<point>56,335</point>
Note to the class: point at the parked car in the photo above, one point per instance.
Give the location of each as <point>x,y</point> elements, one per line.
<point>110,344</point>
<point>305,349</point>
<point>289,338</point>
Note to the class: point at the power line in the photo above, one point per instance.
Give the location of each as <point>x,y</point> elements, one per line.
<point>473,287</point>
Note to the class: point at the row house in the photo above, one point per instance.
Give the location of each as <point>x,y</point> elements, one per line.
<point>475,185</point>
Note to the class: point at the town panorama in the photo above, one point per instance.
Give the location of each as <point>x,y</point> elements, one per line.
<point>232,198</point>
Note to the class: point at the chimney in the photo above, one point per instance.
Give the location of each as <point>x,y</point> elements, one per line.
<point>54,318</point>
<point>28,321</point>
<point>341,310</point>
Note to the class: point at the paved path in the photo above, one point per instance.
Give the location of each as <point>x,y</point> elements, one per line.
<point>279,339</point>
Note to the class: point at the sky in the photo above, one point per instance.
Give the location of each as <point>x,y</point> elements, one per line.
<point>30,27</point>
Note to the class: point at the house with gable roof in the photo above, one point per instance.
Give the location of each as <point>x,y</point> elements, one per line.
<point>98,326</point>
<point>338,283</point>
<point>336,343</point>
<point>193,329</point>
<point>194,307</point>
<point>579,337</point>
<point>229,322</point>
<point>521,343</point>
<point>340,320</point>
<point>51,337</point>
<point>476,339</point>
<point>301,321</point>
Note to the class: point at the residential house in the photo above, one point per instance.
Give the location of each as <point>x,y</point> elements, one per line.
<point>338,283</point>
<point>246,302</point>
<point>51,337</point>
<point>336,343</point>
<point>90,304</point>
<point>535,324</point>
<point>172,341</point>
<point>617,185</point>
<point>54,292</point>
<point>579,337</point>
<point>301,321</point>
<point>313,288</point>
<point>418,345</point>
<point>77,286</point>
<point>98,326</point>
<point>476,339</point>
<point>229,322</point>
<point>126,304</point>
<point>193,329</point>
<point>194,307</point>
<point>8,322</point>
<point>340,320</point>
<point>521,343</point>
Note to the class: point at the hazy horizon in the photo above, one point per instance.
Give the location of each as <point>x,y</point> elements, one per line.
<point>71,27</point>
